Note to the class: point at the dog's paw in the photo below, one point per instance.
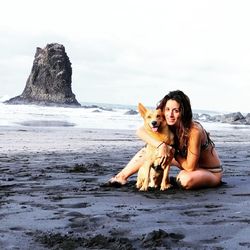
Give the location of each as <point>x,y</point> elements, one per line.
<point>165,186</point>
<point>138,185</point>
<point>144,188</point>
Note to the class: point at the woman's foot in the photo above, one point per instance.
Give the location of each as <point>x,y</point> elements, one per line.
<point>117,181</point>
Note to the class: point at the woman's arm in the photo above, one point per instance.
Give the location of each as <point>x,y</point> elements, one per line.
<point>190,163</point>
<point>165,151</point>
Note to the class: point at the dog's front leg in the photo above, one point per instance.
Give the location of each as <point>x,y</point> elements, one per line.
<point>147,175</point>
<point>165,183</point>
<point>140,177</point>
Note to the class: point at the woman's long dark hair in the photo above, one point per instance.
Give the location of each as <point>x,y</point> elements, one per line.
<point>181,133</point>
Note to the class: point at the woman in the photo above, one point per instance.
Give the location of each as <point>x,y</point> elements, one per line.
<point>195,152</point>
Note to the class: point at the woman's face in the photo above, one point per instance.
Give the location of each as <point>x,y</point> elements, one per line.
<point>172,112</point>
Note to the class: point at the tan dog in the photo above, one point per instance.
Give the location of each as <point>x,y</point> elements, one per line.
<point>151,174</point>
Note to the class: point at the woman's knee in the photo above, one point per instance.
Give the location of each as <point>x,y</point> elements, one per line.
<point>185,180</point>
<point>197,179</point>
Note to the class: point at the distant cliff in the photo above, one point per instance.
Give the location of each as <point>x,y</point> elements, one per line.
<point>49,82</point>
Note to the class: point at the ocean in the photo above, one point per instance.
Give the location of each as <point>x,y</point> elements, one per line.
<point>89,116</point>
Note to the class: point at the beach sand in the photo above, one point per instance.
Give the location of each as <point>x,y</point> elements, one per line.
<point>52,194</point>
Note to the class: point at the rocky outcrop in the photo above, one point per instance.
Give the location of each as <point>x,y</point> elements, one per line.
<point>231,118</point>
<point>131,112</point>
<point>248,118</point>
<point>49,82</point>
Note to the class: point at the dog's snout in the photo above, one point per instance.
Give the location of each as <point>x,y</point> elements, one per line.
<point>154,123</point>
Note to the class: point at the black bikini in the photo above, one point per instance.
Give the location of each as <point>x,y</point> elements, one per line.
<point>215,169</point>
<point>204,146</point>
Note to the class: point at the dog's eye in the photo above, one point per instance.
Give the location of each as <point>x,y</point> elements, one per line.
<point>149,116</point>
<point>158,116</point>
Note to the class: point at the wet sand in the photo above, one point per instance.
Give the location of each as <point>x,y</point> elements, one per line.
<point>52,194</point>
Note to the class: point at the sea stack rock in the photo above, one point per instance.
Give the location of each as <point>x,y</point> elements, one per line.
<point>49,82</point>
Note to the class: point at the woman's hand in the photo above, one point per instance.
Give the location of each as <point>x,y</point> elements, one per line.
<point>166,153</point>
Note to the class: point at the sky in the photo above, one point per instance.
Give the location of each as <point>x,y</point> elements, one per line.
<point>130,51</point>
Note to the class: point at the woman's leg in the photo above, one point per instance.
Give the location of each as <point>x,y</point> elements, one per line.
<point>132,167</point>
<point>200,178</point>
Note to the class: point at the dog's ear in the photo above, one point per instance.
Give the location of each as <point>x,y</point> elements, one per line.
<point>161,113</point>
<point>142,109</point>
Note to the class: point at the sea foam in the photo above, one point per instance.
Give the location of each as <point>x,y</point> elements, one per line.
<point>108,116</point>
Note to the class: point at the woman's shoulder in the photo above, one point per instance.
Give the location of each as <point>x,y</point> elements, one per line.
<point>196,128</point>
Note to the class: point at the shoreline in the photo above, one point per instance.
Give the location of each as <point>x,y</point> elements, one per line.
<point>52,194</point>
<point>99,117</point>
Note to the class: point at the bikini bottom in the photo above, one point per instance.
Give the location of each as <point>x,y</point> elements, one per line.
<point>216,169</point>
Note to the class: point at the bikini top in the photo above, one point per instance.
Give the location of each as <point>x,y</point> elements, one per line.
<point>208,142</point>
<point>204,146</point>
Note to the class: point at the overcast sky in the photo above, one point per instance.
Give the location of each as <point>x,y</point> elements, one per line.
<point>134,51</point>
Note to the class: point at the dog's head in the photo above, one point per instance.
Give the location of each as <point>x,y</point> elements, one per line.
<point>153,119</point>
